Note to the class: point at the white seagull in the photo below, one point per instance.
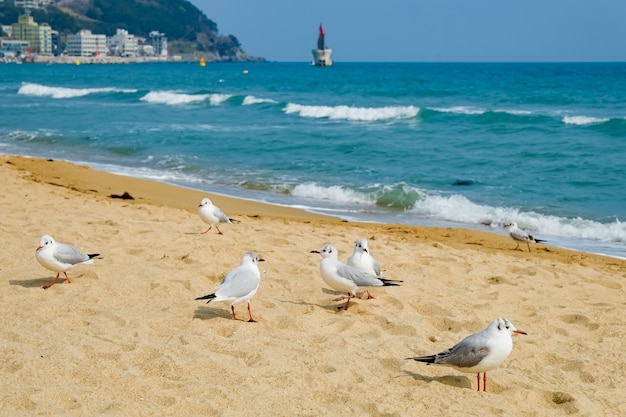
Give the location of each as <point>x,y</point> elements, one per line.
<point>362,258</point>
<point>479,352</point>
<point>212,215</point>
<point>239,285</point>
<point>519,235</point>
<point>59,257</point>
<point>346,278</point>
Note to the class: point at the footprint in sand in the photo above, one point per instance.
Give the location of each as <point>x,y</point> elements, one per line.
<point>561,400</point>
<point>579,319</point>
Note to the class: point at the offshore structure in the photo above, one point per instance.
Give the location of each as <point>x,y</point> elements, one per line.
<point>321,55</point>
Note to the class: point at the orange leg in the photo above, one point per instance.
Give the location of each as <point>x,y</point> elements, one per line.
<point>45,287</point>
<point>250,313</point>
<point>345,307</point>
<point>484,381</point>
<point>232,308</point>
<point>343,297</point>
<point>69,281</point>
<point>207,230</point>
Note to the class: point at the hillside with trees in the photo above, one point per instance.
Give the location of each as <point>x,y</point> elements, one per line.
<point>189,31</point>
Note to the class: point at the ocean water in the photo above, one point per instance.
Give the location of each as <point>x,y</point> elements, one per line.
<point>449,145</point>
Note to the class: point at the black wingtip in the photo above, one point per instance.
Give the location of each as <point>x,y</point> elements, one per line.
<point>207,297</point>
<point>390,282</point>
<point>93,255</point>
<point>424,359</point>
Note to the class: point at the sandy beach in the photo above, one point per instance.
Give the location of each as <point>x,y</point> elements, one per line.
<point>127,338</point>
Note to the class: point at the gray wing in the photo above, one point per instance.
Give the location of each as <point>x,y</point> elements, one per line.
<point>222,217</point>
<point>237,283</point>
<point>376,266</point>
<point>465,354</point>
<point>361,279</point>
<point>520,235</point>
<point>69,254</point>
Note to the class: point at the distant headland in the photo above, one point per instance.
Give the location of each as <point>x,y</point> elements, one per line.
<point>112,31</point>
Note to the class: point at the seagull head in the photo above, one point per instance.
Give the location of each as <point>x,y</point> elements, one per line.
<point>327,251</point>
<point>205,202</point>
<point>361,244</point>
<point>502,325</point>
<point>251,257</point>
<point>44,241</point>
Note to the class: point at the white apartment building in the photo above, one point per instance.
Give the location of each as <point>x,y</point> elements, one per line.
<point>159,43</point>
<point>123,44</point>
<point>32,4</point>
<point>85,43</point>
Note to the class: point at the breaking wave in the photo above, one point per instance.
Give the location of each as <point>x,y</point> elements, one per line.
<point>39,90</point>
<point>583,120</point>
<point>367,114</point>
<point>173,98</point>
<point>248,100</point>
<point>418,204</point>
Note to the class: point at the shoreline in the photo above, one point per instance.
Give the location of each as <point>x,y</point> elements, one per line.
<point>179,196</point>
<point>128,337</point>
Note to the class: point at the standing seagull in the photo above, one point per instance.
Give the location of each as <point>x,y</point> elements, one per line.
<point>363,260</point>
<point>479,352</point>
<point>518,235</point>
<point>59,257</point>
<point>346,278</point>
<point>211,214</point>
<point>239,285</point>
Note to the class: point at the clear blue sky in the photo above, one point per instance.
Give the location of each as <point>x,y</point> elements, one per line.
<point>426,30</point>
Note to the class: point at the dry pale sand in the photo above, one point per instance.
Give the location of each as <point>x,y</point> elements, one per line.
<point>127,338</point>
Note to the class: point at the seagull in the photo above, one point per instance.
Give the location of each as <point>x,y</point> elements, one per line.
<point>518,235</point>
<point>60,257</point>
<point>211,214</point>
<point>363,260</point>
<point>239,285</point>
<point>346,278</point>
<point>479,352</point>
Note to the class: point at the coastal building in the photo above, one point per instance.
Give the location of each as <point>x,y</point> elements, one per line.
<point>85,43</point>
<point>321,55</point>
<point>39,37</point>
<point>32,4</point>
<point>16,47</point>
<point>56,43</point>
<point>159,42</point>
<point>7,29</point>
<point>123,44</point>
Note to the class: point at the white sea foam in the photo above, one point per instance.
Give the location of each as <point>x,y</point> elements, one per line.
<point>39,90</point>
<point>515,112</point>
<point>334,193</point>
<point>460,110</point>
<point>583,120</point>
<point>248,100</point>
<point>217,99</point>
<point>457,208</point>
<point>367,114</point>
<point>173,98</point>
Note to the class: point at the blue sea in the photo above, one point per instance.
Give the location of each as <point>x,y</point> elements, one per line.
<point>473,145</point>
